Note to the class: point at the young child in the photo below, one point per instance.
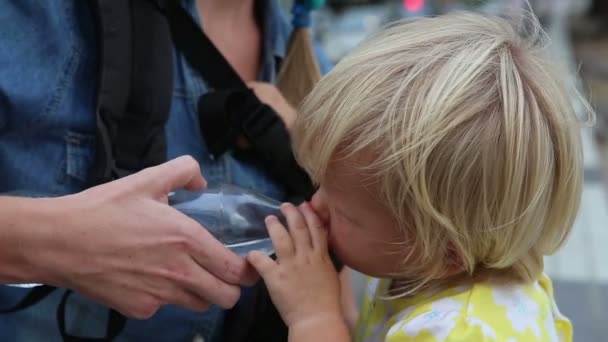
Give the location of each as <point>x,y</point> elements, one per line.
<point>448,160</point>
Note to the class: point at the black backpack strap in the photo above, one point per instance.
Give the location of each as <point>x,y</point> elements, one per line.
<point>115,324</point>
<point>114,17</point>
<point>35,295</point>
<point>135,88</point>
<point>140,139</point>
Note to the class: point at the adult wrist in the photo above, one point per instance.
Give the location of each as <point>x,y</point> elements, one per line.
<point>28,234</point>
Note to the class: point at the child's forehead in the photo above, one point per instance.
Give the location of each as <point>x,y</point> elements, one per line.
<point>347,165</point>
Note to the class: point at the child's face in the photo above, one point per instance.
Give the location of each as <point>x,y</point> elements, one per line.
<point>362,233</point>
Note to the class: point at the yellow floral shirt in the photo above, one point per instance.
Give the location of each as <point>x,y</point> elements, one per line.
<point>479,312</point>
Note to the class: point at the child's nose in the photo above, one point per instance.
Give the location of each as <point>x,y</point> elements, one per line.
<point>319,205</point>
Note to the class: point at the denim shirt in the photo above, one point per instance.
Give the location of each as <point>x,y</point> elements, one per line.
<point>48,77</point>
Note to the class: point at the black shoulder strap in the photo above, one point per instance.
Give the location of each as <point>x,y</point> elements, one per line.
<point>198,49</point>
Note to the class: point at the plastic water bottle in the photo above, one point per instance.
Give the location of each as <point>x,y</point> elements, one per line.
<point>233,215</point>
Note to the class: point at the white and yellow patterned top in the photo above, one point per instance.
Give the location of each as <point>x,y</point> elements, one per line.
<point>480,312</point>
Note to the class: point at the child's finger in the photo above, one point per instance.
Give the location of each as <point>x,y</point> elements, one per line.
<point>297,228</point>
<point>318,232</point>
<point>281,240</point>
<point>261,262</point>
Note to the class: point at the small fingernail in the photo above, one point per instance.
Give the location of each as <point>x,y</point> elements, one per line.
<point>270,218</point>
<point>306,207</point>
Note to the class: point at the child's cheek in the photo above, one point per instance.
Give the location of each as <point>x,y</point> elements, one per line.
<point>332,230</point>
<point>338,238</point>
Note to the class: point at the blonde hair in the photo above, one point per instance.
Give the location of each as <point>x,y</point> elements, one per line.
<point>475,142</point>
<point>300,70</point>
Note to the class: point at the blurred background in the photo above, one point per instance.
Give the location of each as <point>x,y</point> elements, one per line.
<point>579,33</point>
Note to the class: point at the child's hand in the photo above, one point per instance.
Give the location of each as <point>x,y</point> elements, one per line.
<point>303,283</point>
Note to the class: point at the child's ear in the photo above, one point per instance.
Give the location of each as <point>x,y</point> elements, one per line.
<point>319,205</point>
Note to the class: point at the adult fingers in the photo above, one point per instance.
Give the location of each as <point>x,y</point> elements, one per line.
<point>182,172</point>
<point>213,256</point>
<point>261,262</point>
<point>208,287</point>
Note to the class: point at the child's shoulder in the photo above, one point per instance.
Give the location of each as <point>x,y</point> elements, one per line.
<point>478,312</point>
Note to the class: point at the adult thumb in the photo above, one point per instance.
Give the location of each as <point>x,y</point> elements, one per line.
<point>182,172</point>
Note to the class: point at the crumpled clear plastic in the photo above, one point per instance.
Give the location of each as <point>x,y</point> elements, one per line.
<point>233,215</point>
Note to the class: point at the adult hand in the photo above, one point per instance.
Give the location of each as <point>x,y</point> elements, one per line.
<point>270,95</point>
<point>121,245</point>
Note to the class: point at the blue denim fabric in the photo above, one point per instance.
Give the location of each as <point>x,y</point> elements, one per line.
<point>48,77</point>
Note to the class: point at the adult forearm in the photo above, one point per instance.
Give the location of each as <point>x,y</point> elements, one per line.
<point>121,245</point>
